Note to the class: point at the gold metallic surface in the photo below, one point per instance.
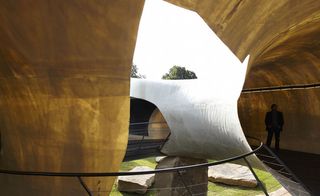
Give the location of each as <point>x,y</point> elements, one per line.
<point>293,58</point>
<point>64,91</point>
<point>158,127</point>
<point>301,110</point>
<point>64,80</point>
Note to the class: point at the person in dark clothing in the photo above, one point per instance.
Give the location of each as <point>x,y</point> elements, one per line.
<point>274,123</point>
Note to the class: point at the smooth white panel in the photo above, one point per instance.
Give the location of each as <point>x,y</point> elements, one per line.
<point>203,119</point>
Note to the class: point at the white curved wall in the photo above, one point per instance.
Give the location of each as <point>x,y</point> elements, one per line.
<point>201,114</point>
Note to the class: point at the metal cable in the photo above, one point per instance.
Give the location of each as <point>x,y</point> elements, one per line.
<point>279,88</point>
<point>104,174</point>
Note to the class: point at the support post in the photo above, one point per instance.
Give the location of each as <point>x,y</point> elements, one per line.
<point>256,177</point>
<point>83,184</point>
<point>183,182</point>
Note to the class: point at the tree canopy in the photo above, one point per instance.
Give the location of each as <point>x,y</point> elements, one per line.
<point>134,72</point>
<point>177,73</point>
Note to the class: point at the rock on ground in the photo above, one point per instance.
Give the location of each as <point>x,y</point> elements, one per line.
<point>232,174</point>
<point>137,183</point>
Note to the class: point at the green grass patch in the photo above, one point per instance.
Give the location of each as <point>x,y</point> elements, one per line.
<point>267,179</point>
<point>213,188</point>
<point>150,162</point>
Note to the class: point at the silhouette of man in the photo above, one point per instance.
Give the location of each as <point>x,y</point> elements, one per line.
<point>274,122</point>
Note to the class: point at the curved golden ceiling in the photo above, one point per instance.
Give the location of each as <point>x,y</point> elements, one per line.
<point>293,58</point>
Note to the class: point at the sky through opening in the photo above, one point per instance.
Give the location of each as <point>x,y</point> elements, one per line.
<point>169,35</point>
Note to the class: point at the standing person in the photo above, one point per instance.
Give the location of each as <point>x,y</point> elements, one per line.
<point>274,123</point>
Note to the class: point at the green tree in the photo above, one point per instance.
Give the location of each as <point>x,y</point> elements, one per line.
<point>177,73</point>
<point>134,72</point>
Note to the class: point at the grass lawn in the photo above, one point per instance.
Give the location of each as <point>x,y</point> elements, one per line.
<point>213,188</point>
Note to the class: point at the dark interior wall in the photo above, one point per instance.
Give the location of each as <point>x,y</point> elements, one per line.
<point>140,111</point>
<point>301,110</point>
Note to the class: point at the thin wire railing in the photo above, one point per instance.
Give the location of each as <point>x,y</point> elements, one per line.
<point>126,173</point>
<point>281,88</point>
<point>80,175</point>
<point>141,144</point>
<point>281,171</point>
<point>178,169</point>
<point>279,166</point>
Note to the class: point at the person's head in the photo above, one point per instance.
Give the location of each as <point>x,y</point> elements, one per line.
<point>274,107</point>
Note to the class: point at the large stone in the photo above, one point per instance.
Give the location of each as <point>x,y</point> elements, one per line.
<point>137,183</point>
<point>232,174</point>
<point>173,183</point>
